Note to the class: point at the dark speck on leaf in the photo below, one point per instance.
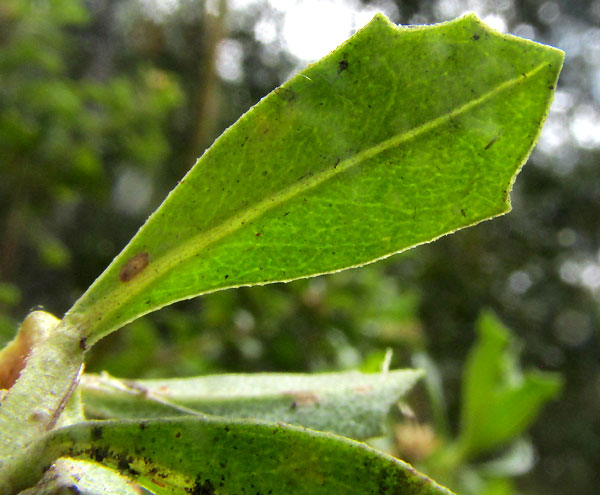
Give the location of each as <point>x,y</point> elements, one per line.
<point>489,145</point>
<point>99,453</point>
<point>342,66</point>
<point>463,213</point>
<point>202,488</point>
<point>226,276</point>
<point>475,37</point>
<point>286,94</point>
<point>96,433</point>
<point>337,162</point>
<point>83,343</point>
<point>123,463</point>
<point>258,234</point>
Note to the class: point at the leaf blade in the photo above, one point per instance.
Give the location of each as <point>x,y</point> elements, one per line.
<point>351,404</point>
<point>309,182</point>
<point>191,455</point>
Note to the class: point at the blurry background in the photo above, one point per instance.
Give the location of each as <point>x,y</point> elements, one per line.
<point>105,104</point>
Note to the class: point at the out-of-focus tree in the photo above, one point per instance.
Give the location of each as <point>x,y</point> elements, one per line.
<point>79,144</point>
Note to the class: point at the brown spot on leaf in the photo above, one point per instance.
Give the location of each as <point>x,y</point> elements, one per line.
<point>158,483</point>
<point>37,416</point>
<point>134,266</point>
<point>303,398</point>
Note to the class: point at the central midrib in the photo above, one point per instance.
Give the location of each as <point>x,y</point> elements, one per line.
<point>191,247</point>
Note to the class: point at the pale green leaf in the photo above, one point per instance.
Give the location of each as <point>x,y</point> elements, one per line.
<point>69,477</point>
<point>399,136</point>
<point>351,404</point>
<point>201,456</point>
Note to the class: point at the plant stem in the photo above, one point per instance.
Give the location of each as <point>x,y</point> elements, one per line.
<point>51,372</point>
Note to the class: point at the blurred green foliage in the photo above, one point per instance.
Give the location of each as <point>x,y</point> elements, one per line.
<point>104,105</point>
<point>66,136</point>
<point>498,404</point>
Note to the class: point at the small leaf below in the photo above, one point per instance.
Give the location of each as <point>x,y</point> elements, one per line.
<point>352,404</point>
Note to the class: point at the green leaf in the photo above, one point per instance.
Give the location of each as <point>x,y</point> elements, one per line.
<point>499,403</point>
<point>351,404</point>
<point>399,136</point>
<point>212,456</point>
<point>483,369</point>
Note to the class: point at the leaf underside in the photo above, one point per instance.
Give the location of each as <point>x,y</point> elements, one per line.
<point>351,404</point>
<point>399,136</point>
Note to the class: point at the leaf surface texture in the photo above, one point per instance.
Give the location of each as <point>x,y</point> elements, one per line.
<point>399,136</point>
